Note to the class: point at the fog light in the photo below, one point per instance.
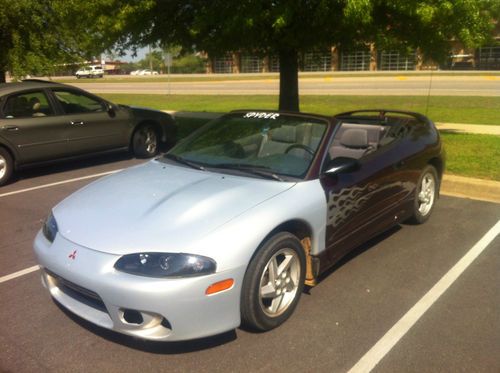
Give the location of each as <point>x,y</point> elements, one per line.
<point>132,317</point>
<point>220,286</point>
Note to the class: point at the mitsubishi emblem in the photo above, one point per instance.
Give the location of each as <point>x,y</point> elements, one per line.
<point>72,255</point>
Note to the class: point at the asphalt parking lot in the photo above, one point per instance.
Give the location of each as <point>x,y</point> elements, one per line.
<point>335,325</point>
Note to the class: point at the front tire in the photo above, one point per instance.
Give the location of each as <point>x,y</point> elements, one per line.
<point>425,195</point>
<point>145,141</point>
<point>273,283</point>
<point>6,166</point>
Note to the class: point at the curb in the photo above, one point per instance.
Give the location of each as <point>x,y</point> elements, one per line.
<point>451,185</point>
<point>481,129</point>
<point>194,114</point>
<point>465,187</point>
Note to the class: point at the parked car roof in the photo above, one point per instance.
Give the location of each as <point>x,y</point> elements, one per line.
<point>6,88</point>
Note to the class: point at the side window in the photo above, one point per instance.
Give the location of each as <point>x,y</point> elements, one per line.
<point>26,105</point>
<point>76,102</point>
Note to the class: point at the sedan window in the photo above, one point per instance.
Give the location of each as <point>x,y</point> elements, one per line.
<point>76,102</point>
<point>25,105</point>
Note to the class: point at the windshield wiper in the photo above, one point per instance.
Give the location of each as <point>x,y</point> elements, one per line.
<point>258,170</point>
<point>184,161</point>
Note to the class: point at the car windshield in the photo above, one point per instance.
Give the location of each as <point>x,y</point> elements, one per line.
<point>255,143</point>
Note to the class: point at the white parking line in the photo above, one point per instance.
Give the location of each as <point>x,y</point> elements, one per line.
<point>387,342</point>
<point>58,183</point>
<point>19,273</point>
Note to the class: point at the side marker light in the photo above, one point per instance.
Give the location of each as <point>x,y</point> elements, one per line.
<point>220,286</point>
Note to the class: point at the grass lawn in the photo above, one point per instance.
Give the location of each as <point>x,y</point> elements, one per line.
<point>472,155</point>
<point>451,109</point>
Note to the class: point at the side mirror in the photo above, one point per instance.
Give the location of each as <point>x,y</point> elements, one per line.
<point>111,110</point>
<point>341,165</point>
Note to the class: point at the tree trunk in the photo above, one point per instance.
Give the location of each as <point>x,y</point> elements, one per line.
<point>289,80</point>
<point>2,76</point>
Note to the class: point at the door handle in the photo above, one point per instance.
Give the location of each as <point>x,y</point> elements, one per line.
<point>77,123</point>
<point>10,128</point>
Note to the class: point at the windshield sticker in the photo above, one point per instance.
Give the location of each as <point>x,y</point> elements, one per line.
<point>260,115</point>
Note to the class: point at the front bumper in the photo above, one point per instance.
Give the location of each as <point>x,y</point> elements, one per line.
<point>85,282</point>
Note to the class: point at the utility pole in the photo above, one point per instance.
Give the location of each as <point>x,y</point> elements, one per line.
<point>168,63</point>
<point>150,58</point>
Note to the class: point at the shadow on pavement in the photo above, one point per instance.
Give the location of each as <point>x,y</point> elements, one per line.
<point>69,165</point>
<point>360,250</point>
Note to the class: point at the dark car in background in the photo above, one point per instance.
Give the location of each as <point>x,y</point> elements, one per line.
<point>42,121</point>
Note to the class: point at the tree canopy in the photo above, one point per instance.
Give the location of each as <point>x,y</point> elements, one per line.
<point>287,27</point>
<point>36,35</point>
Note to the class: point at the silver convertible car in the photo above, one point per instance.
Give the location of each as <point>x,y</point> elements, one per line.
<point>231,224</point>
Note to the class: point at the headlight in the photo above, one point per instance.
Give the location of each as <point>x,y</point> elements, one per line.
<point>50,228</point>
<point>165,265</point>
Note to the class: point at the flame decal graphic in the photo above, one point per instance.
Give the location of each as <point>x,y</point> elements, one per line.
<point>343,204</point>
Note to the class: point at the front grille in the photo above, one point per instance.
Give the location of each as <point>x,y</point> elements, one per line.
<point>77,292</point>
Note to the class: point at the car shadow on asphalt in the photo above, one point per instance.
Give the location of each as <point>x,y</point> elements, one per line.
<point>65,166</point>
<point>165,348</point>
<point>358,251</point>
<point>78,163</point>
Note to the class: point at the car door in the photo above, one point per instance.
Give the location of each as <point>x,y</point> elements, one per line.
<point>30,124</point>
<point>92,126</point>
<point>365,201</point>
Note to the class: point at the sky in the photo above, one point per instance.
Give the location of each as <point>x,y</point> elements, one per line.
<point>141,53</point>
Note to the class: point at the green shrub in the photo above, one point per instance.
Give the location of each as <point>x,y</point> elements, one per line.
<point>189,64</point>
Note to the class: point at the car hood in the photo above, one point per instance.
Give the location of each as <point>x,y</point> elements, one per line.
<point>157,207</point>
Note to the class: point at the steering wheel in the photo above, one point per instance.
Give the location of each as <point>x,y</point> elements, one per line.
<point>300,146</point>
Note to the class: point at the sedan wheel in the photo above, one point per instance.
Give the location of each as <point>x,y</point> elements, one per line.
<point>6,166</point>
<point>145,142</point>
<point>273,283</point>
<point>426,193</point>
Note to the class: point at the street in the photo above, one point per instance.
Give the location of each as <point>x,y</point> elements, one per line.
<point>397,85</point>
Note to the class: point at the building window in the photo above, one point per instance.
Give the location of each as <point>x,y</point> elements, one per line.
<point>355,60</point>
<point>251,64</point>
<point>317,61</point>
<point>488,58</point>
<point>223,64</point>
<point>394,60</point>
<point>274,64</point>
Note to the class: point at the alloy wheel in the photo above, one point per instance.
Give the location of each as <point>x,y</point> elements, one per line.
<point>279,282</point>
<point>427,194</point>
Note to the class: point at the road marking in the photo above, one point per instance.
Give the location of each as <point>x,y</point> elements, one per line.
<point>389,340</point>
<point>19,274</point>
<point>58,183</point>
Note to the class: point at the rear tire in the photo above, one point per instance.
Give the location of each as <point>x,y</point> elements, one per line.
<point>6,166</point>
<point>273,283</point>
<point>145,141</point>
<point>426,194</point>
